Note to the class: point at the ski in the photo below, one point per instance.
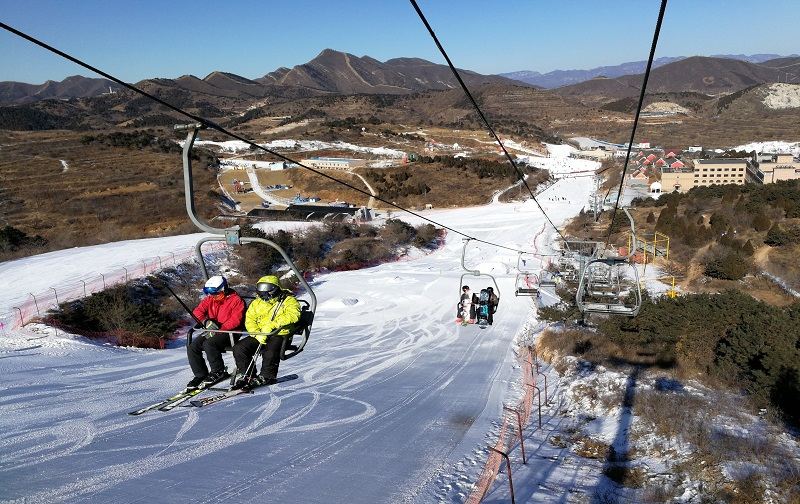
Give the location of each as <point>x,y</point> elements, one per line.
<point>160,404</point>
<point>170,402</point>
<point>189,394</point>
<point>199,403</point>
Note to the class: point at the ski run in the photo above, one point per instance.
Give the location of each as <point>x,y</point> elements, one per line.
<point>392,402</point>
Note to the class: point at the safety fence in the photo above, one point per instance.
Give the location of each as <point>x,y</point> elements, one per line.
<point>37,304</point>
<point>512,428</point>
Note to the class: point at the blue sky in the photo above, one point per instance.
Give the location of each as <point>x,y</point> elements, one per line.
<point>138,39</point>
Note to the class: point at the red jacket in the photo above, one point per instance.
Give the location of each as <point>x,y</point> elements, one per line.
<point>228,313</point>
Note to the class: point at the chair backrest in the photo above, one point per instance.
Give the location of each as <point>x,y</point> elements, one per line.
<point>300,328</point>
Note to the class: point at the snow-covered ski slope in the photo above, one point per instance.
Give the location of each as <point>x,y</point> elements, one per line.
<point>391,394</point>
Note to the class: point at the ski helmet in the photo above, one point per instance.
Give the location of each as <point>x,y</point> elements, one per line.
<point>268,287</point>
<point>215,285</point>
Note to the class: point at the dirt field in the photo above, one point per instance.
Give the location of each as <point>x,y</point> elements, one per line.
<point>101,194</point>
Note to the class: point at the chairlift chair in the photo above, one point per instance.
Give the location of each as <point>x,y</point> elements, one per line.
<point>527,282</point>
<point>474,273</point>
<point>600,288</point>
<point>232,236</point>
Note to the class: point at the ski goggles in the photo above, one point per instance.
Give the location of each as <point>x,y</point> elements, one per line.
<point>213,290</point>
<point>267,290</point>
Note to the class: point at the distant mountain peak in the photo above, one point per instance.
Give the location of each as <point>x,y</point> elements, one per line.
<point>339,72</point>
<point>559,78</point>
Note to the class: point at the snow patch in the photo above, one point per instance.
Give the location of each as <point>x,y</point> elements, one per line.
<point>235,146</point>
<point>64,166</point>
<point>665,108</point>
<point>782,96</point>
<point>772,146</point>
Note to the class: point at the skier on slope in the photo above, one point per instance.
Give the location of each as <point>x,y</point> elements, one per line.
<point>274,310</point>
<point>221,308</point>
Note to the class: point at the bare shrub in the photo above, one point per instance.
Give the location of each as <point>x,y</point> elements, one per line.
<point>129,314</point>
<point>591,448</point>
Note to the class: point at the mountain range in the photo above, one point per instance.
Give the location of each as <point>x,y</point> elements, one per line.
<point>330,84</point>
<point>330,72</point>
<point>559,78</point>
<point>335,72</point>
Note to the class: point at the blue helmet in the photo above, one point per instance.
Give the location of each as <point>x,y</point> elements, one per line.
<point>215,285</point>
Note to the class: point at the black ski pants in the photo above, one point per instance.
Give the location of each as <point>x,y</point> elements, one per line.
<point>214,346</point>
<point>246,348</point>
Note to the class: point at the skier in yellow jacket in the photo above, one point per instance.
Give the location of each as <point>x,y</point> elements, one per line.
<point>273,311</point>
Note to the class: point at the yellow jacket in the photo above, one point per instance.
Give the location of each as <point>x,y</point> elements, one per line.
<point>267,316</point>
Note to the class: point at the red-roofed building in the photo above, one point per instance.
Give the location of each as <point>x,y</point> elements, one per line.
<point>660,162</point>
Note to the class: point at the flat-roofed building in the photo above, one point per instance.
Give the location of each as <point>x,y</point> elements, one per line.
<point>333,163</point>
<point>777,167</point>
<point>719,171</point>
<point>679,178</point>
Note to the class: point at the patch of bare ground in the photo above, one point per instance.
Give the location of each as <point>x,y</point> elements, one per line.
<point>310,184</point>
<point>685,439</point>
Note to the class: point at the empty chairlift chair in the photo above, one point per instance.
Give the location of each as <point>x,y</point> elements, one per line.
<point>609,283</point>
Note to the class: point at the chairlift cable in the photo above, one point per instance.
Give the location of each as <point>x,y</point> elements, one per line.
<point>212,125</point>
<point>480,113</point>
<point>638,112</point>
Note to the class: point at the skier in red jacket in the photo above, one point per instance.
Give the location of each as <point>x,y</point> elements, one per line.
<point>222,308</point>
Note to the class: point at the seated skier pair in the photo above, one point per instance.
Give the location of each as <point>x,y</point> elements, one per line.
<point>274,310</point>
<point>473,306</point>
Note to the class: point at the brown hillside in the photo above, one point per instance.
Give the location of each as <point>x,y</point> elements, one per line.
<point>701,74</point>
<point>16,93</point>
<point>105,193</point>
<point>343,73</point>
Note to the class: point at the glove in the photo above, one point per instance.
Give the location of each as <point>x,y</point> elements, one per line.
<point>210,324</point>
<point>262,338</point>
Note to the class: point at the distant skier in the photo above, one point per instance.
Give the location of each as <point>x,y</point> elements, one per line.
<point>221,308</point>
<point>465,314</point>
<point>273,311</point>
<point>493,302</point>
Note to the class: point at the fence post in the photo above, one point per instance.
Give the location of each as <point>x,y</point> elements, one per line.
<point>126,274</point>
<point>545,384</point>
<point>21,319</point>
<point>144,267</point>
<point>35,304</point>
<point>174,262</point>
<point>539,396</point>
<point>84,288</point>
<point>56,293</point>
<point>508,465</point>
<point>104,280</point>
<point>519,430</point>
<point>160,264</point>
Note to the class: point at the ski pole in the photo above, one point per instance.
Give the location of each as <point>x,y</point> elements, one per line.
<point>253,360</point>
<point>166,286</point>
